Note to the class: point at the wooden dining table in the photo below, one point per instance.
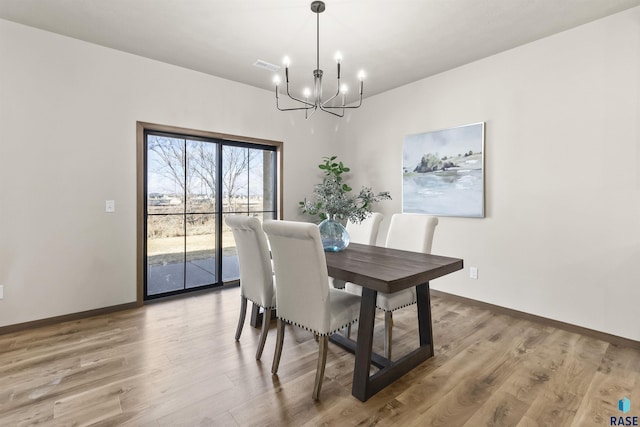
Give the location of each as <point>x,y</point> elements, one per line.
<point>379,269</point>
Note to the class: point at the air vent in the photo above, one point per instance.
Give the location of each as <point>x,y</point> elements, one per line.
<point>265,65</point>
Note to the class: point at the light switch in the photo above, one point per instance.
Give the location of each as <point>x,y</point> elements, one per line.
<point>110,206</point>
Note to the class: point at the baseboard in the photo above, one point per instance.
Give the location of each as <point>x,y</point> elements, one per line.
<point>66,318</point>
<point>105,310</point>
<point>614,339</point>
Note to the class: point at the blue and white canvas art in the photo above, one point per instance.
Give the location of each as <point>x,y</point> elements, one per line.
<point>443,172</point>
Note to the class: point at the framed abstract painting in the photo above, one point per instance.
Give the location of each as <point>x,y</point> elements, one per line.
<point>443,172</point>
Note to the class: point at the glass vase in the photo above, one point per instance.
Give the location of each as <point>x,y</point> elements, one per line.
<point>335,237</point>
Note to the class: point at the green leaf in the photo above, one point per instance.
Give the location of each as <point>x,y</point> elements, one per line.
<point>331,196</point>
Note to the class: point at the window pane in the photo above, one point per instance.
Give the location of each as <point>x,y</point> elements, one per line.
<point>201,176</point>
<point>200,268</point>
<point>165,253</point>
<point>230,265</point>
<point>230,268</point>
<point>165,174</point>
<point>261,180</point>
<point>235,185</point>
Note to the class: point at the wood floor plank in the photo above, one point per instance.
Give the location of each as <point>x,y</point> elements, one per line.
<point>426,391</point>
<point>502,409</point>
<point>89,407</point>
<point>176,363</point>
<point>502,353</point>
<point>600,401</point>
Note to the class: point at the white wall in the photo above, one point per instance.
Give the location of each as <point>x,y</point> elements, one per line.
<point>561,237</point>
<point>562,234</point>
<point>68,113</point>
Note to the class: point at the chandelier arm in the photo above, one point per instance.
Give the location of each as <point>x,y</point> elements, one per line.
<point>308,104</point>
<point>308,116</point>
<point>347,106</point>
<point>326,110</point>
<point>292,108</point>
<point>337,91</point>
<point>333,97</point>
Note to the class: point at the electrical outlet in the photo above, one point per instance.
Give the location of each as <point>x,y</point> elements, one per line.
<point>473,272</point>
<point>110,206</point>
<point>1,291</point>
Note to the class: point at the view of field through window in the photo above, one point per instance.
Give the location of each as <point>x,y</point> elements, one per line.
<point>192,184</point>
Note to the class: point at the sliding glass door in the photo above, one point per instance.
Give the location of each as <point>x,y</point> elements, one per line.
<point>191,184</point>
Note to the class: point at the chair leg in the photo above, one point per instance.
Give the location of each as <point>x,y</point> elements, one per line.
<point>347,332</point>
<point>278,351</point>
<point>266,320</point>
<point>322,361</point>
<point>388,334</point>
<point>243,313</point>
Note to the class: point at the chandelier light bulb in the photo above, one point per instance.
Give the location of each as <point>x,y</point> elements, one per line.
<point>306,92</point>
<point>286,61</point>
<point>276,79</point>
<point>343,91</point>
<point>361,75</point>
<point>338,57</point>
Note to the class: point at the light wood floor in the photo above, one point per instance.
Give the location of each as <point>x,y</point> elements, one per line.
<point>176,363</point>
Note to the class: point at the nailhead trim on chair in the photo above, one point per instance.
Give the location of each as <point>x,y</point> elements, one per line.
<point>397,308</point>
<point>315,332</point>
<point>260,305</point>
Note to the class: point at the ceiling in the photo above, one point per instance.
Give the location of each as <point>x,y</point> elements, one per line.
<point>395,42</point>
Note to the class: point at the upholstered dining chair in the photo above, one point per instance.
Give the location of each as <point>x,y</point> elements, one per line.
<point>256,274</point>
<point>408,232</point>
<point>303,295</point>
<point>365,232</point>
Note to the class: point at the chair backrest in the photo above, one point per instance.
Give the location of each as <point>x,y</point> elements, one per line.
<point>411,232</point>
<point>302,286</point>
<point>367,231</point>
<point>256,275</point>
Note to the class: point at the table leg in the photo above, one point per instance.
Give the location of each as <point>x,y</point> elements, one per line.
<point>365,386</point>
<point>364,347</point>
<point>256,316</point>
<point>424,315</point>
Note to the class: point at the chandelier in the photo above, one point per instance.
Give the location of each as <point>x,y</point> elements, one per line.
<point>313,100</point>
